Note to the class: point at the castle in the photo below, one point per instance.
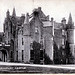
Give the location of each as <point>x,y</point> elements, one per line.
<point>34,39</point>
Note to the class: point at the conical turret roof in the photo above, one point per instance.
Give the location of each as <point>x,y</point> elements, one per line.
<point>14,13</point>
<point>70,19</point>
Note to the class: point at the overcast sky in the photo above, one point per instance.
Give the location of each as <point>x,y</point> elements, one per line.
<point>55,8</point>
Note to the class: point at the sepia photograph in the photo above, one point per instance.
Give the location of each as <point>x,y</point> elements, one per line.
<point>37,36</point>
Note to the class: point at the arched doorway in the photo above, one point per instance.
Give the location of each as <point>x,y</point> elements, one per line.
<point>4,52</point>
<point>3,55</point>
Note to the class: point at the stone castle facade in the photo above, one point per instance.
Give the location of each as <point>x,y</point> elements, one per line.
<point>29,37</point>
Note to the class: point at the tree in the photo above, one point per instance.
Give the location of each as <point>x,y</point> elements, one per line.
<point>47,60</point>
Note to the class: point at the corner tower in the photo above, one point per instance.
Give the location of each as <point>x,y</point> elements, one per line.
<point>70,34</point>
<point>26,37</point>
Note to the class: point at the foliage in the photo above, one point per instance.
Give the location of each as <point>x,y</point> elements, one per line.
<point>56,54</point>
<point>69,56</point>
<point>47,59</point>
<point>62,55</point>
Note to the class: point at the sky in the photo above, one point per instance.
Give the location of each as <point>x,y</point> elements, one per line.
<point>54,8</point>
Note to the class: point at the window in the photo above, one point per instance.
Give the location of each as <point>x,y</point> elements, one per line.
<point>0,39</point>
<point>31,46</point>
<point>17,55</point>
<point>17,43</point>
<point>32,55</point>
<point>8,34</point>
<point>41,54</point>
<point>11,54</point>
<point>62,41</point>
<point>22,42</point>
<point>63,53</point>
<point>22,55</point>
<point>8,42</point>
<point>17,32</point>
<point>22,32</point>
<point>36,29</point>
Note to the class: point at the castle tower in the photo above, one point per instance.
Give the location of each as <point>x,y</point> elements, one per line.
<point>26,34</point>
<point>70,34</point>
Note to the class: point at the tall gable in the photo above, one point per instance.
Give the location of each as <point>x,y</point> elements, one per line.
<point>41,15</point>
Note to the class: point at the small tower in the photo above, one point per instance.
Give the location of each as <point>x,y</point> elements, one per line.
<point>70,34</point>
<point>7,14</point>
<point>14,13</point>
<point>26,35</point>
<point>13,18</point>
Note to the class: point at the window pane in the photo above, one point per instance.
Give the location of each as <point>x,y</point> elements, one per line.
<point>22,55</point>
<point>62,41</point>
<point>32,54</point>
<point>17,55</point>
<point>41,54</point>
<point>22,41</point>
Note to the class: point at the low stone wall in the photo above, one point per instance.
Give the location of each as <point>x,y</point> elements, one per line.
<point>31,68</point>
